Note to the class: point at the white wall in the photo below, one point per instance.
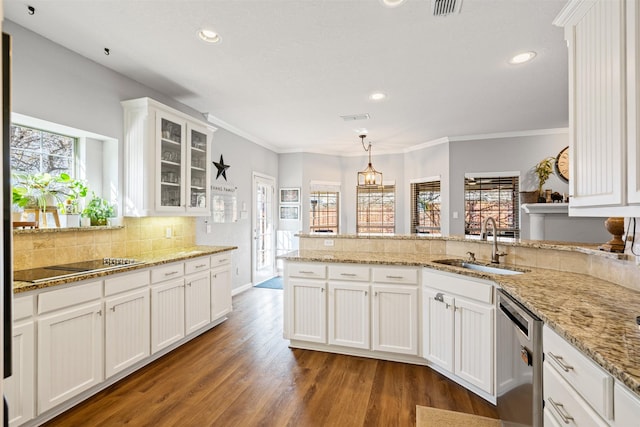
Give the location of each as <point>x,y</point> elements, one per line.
<point>244,158</point>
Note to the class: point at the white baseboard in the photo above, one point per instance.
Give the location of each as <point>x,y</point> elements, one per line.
<point>241,289</point>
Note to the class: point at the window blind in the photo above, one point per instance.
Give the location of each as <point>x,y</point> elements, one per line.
<point>495,197</point>
<point>425,207</point>
<point>376,210</point>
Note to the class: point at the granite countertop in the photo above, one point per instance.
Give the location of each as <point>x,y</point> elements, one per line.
<point>161,257</point>
<point>596,316</point>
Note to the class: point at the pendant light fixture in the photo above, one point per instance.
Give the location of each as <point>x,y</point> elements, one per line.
<point>369,177</point>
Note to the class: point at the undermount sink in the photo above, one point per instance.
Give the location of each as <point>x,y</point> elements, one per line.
<point>479,267</point>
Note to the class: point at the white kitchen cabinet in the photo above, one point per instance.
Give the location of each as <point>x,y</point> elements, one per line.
<point>197,296</point>
<point>19,388</point>
<point>602,37</point>
<point>221,303</point>
<point>626,405</point>
<point>167,161</point>
<point>308,310</point>
<point>127,330</point>
<point>395,318</point>
<point>167,313</point>
<point>70,351</point>
<point>349,314</point>
<point>458,330</point>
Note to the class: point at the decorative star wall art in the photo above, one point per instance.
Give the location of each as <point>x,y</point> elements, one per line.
<point>222,168</point>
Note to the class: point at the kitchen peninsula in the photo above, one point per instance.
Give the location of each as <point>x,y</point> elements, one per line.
<point>588,297</point>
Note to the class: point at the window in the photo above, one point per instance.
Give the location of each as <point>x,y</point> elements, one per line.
<point>34,150</point>
<point>376,210</point>
<point>323,211</point>
<point>495,197</point>
<point>425,207</point>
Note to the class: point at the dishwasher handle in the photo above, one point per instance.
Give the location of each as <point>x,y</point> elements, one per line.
<point>518,320</point>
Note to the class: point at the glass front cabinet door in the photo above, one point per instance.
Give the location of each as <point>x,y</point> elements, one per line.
<point>167,161</point>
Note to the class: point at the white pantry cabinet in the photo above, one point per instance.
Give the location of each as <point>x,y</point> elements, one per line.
<point>19,388</point>
<point>458,328</point>
<point>220,286</point>
<point>604,113</point>
<point>167,161</point>
<point>70,352</point>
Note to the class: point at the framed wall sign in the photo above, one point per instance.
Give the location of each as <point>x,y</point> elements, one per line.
<point>290,195</point>
<point>291,212</point>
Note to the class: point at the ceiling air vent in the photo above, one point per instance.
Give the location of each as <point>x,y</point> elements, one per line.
<point>352,117</point>
<point>445,7</point>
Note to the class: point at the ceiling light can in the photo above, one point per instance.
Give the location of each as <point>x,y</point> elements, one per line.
<point>523,57</point>
<point>377,96</point>
<point>391,3</point>
<point>209,36</point>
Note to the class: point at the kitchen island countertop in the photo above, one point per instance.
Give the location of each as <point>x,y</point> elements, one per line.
<point>596,316</point>
<point>148,260</point>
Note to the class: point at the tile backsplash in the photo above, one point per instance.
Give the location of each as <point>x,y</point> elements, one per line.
<point>139,236</point>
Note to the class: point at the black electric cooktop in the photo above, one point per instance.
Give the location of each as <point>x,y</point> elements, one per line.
<point>41,274</point>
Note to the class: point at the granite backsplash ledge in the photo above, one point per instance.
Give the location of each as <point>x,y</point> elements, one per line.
<point>551,255</point>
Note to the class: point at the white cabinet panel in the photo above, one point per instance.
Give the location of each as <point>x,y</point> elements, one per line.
<point>197,294</point>
<point>438,328</point>
<point>127,330</point>
<point>309,310</point>
<point>167,314</point>
<point>69,353</point>
<point>395,318</point>
<point>474,353</point>
<point>349,314</point>
<point>627,406</point>
<point>221,303</point>
<point>19,388</point>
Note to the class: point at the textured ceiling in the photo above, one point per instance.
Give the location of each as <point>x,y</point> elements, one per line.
<point>286,70</point>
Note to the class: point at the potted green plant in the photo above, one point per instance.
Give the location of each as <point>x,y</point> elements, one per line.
<point>70,208</point>
<point>98,210</point>
<point>39,190</point>
<point>543,170</point>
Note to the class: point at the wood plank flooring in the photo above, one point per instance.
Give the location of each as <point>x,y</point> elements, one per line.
<point>242,373</point>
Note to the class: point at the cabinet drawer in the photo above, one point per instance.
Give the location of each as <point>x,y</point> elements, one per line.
<point>311,271</point>
<point>166,272</point>
<point>349,272</point>
<point>591,381</point>
<point>221,259</point>
<point>395,275</point>
<point>61,298</point>
<point>478,290</point>
<point>196,265</point>
<point>564,404</point>
<point>126,282</point>
<point>22,307</point>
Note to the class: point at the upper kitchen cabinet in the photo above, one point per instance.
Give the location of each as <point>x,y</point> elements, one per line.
<point>166,161</point>
<point>604,115</point>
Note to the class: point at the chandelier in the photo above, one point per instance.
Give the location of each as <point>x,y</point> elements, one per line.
<point>369,177</point>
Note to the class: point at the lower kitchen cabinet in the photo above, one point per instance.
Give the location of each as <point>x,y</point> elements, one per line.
<point>459,316</point>
<point>127,330</point>
<point>395,319</point>
<point>349,314</point>
<point>308,310</point>
<point>167,313</point>
<point>19,388</point>
<point>69,353</point>
<point>220,291</point>
<point>197,301</point>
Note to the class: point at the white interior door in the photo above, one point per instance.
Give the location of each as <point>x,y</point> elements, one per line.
<point>264,259</point>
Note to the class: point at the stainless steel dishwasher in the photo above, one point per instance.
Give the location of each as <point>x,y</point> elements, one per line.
<point>519,363</point>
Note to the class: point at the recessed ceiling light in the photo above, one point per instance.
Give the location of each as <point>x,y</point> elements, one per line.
<point>391,3</point>
<point>521,58</point>
<point>209,36</point>
<point>377,96</point>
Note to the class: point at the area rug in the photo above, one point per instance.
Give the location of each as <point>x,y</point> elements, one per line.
<point>275,283</point>
<point>432,417</point>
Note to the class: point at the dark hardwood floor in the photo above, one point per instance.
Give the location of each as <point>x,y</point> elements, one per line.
<point>241,373</point>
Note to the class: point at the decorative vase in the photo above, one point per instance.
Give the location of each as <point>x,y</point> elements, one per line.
<point>615,226</point>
